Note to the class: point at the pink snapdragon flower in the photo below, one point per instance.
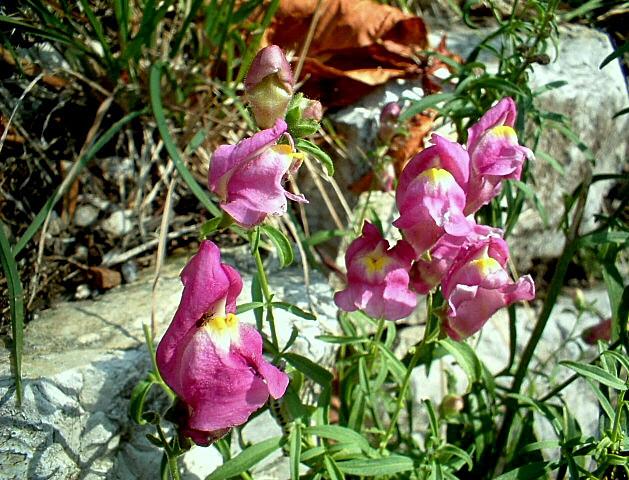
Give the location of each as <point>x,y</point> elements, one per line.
<point>377,277</point>
<point>431,197</point>
<point>269,86</point>
<point>494,153</point>
<point>248,176</point>
<point>428,271</point>
<point>211,361</point>
<point>477,285</point>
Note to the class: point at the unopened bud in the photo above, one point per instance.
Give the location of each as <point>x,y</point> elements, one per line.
<point>600,331</point>
<point>312,111</point>
<point>451,405</point>
<point>269,86</point>
<point>579,299</point>
<point>388,120</point>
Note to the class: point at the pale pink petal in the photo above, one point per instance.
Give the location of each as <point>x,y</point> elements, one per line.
<point>228,158</point>
<point>255,190</point>
<point>503,113</point>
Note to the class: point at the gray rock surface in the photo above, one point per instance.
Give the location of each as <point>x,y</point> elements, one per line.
<point>82,359</point>
<point>589,100</point>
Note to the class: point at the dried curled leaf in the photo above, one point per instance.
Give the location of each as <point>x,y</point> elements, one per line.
<point>357,45</point>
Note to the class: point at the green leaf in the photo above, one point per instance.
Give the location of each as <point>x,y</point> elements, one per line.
<point>375,467</point>
<point>138,397</point>
<point>332,468</point>
<point>16,305</point>
<point>340,434</point>
<point>295,450</point>
<point>619,113</point>
<point>295,310</point>
<point>323,236</point>
<point>169,143</point>
<point>309,368</point>
<point>550,86</point>
<point>282,244</point>
<point>614,284</point>
<point>245,307</point>
<point>454,451</point>
<point>395,366</point>
<point>597,374</point>
<point>196,141</point>
<point>558,167</point>
<point>532,196</point>
<point>593,239</point>
<point>432,418</point>
<point>424,104</point>
<point>246,459</point>
<point>465,357</point>
<point>209,227</point>
<point>316,152</point>
<point>154,440</point>
<point>618,53</point>
<point>602,400</point>
<point>532,471</point>
<point>342,340</point>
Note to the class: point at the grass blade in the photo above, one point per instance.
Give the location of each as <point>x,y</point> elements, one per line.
<point>169,143</point>
<point>16,303</point>
<point>246,459</point>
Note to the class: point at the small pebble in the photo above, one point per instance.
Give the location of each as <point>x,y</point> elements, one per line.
<point>80,253</point>
<point>118,223</point>
<point>85,215</point>
<point>82,292</point>
<point>55,224</point>
<point>129,271</point>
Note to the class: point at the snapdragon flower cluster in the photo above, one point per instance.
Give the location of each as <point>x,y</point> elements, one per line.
<point>212,361</point>
<point>437,194</point>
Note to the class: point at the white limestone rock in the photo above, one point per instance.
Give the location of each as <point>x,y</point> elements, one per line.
<point>81,361</point>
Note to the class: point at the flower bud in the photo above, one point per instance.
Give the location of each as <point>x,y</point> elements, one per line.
<point>313,110</point>
<point>600,331</point>
<point>579,299</point>
<point>451,405</point>
<point>269,86</point>
<point>388,120</point>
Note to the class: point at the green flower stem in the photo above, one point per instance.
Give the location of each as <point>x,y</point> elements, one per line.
<point>173,467</point>
<point>401,397</point>
<point>616,435</point>
<point>264,285</point>
<point>373,351</point>
<point>407,377</point>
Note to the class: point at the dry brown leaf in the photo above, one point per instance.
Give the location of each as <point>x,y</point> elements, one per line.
<point>357,45</point>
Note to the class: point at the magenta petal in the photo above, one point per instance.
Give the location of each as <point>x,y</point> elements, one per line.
<point>256,190</point>
<point>250,348</point>
<point>228,158</point>
<point>220,388</point>
<point>206,283</point>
